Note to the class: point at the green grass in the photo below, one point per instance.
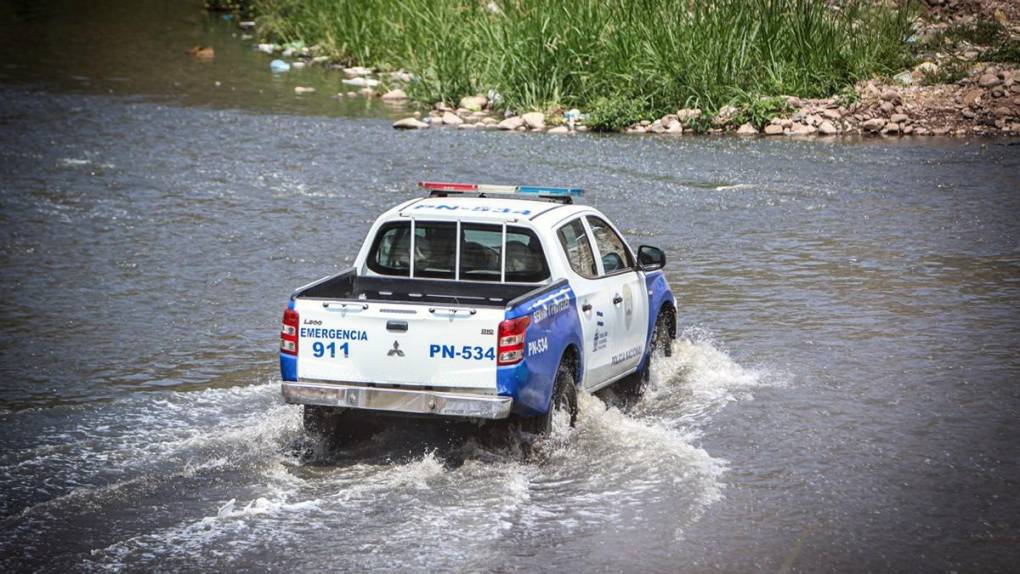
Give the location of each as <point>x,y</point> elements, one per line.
<point>620,60</point>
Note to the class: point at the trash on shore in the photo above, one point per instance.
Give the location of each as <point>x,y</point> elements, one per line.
<point>361,81</point>
<point>278,66</point>
<point>202,52</point>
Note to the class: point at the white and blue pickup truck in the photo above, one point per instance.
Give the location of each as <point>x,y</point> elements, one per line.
<point>477,301</point>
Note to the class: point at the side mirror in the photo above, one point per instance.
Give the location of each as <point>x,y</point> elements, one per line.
<point>650,258</point>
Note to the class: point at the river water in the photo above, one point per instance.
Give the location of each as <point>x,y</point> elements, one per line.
<point>844,395</point>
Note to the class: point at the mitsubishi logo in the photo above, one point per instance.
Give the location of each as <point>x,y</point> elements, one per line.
<point>395,351</point>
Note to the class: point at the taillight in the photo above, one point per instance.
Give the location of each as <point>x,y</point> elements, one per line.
<point>289,332</point>
<point>510,348</point>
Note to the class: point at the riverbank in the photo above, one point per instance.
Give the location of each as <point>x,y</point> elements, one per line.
<point>788,68</point>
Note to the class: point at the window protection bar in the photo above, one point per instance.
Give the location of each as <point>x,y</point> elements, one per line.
<point>411,255</point>
<point>502,257</point>
<point>456,263</point>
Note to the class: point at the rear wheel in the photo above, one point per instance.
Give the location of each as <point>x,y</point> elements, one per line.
<point>562,405</point>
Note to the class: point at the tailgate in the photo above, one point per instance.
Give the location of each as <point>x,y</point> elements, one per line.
<point>398,343</point>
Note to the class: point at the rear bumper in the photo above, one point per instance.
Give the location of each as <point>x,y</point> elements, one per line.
<point>397,400</point>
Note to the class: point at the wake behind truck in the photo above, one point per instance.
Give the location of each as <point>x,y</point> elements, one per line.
<point>477,301</point>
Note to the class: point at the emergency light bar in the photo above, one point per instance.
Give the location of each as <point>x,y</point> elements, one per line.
<point>552,192</point>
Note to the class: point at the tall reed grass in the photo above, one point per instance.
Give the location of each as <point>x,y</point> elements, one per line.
<point>620,59</point>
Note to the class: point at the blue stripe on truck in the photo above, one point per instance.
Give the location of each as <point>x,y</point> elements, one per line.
<point>288,367</point>
<point>555,324</point>
<point>288,363</point>
<point>659,295</point>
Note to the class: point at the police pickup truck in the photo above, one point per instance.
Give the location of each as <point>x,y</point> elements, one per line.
<point>477,301</point>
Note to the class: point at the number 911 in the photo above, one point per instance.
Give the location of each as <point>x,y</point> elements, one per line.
<point>319,349</point>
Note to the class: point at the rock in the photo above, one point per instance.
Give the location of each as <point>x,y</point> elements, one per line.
<point>490,121</point>
<point>749,130</point>
<point>803,130</point>
<point>972,96</point>
<point>299,90</point>
<point>581,129</point>
<point>320,59</point>
<point>467,126</point>
<point>451,119</point>
<point>831,114</point>
<point>367,92</point>
<point>890,96</point>
<point>887,108</point>
<point>1002,112</point>
<point>989,80</point>
<point>873,125</point>
<point>202,52</point>
<point>278,66</point>
<point>363,82</point>
<point>904,78</point>
<point>474,103</point>
<point>409,124</point>
<point>675,127</point>
<point>687,114</point>
<point>891,128</point>
<point>534,120</point>
<point>357,71</point>
<point>394,95</point>
<point>773,130</point>
<point>644,123</point>
<point>266,48</point>
<point>899,118</point>
<point>352,94</point>
<point>968,114</point>
<point>288,52</point>
<point>246,24</point>
<point>826,128</point>
<point>927,68</point>
<point>657,127</point>
<point>908,130</point>
<point>511,123</point>
<point>725,115</point>
<point>298,65</point>
<point>560,130</point>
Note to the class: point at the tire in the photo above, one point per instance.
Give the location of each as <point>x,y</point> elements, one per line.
<point>634,386</point>
<point>564,398</point>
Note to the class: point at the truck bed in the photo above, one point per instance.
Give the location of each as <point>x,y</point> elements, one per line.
<point>348,285</point>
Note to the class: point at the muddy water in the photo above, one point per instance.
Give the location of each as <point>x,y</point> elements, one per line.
<point>843,397</point>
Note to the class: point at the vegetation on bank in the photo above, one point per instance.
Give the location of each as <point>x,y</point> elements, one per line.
<point>618,60</point>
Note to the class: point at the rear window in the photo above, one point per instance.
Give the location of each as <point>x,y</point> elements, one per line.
<point>481,252</point>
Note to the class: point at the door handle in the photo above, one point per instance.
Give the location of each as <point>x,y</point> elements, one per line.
<point>400,326</point>
<point>586,307</point>
<point>617,300</point>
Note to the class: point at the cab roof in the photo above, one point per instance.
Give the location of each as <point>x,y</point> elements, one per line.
<point>496,210</point>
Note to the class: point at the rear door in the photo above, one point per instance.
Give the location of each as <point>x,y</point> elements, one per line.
<point>394,343</point>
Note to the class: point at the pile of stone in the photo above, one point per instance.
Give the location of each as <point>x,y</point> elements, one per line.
<point>668,124</point>
<point>476,112</point>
